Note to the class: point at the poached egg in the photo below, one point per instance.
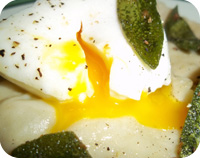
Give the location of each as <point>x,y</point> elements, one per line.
<point>52,62</point>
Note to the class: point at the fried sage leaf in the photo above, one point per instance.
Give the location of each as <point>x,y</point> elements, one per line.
<point>18,2</point>
<point>58,145</point>
<point>180,33</point>
<point>143,29</point>
<point>190,136</point>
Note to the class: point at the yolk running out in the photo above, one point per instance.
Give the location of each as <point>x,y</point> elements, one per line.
<point>158,110</point>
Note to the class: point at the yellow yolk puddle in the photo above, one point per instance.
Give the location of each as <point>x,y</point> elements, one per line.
<point>158,109</point>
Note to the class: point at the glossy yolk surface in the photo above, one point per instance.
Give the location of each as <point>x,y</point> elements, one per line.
<point>158,109</point>
<point>63,60</point>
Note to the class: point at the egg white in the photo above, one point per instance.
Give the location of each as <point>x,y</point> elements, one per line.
<point>50,23</point>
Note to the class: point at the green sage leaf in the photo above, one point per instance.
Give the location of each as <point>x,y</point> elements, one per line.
<point>143,29</point>
<point>58,145</point>
<point>179,32</point>
<point>190,136</point>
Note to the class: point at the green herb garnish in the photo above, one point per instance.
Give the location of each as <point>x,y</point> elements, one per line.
<point>190,136</point>
<point>18,2</point>
<point>58,145</point>
<point>180,33</point>
<point>142,26</point>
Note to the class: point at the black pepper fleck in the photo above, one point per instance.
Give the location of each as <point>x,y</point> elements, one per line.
<point>39,71</point>
<point>2,52</point>
<point>15,44</point>
<point>13,53</point>
<point>70,89</point>
<point>23,56</point>
<point>17,66</point>
<point>35,22</point>
<point>149,89</point>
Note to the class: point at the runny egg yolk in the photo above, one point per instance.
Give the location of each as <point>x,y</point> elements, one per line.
<point>158,109</point>
<point>63,60</point>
